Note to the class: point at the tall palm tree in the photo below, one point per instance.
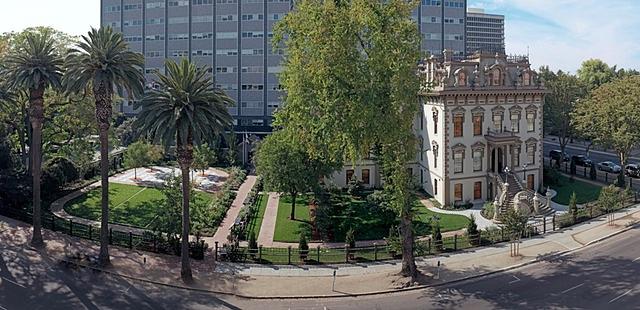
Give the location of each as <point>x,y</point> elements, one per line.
<point>35,66</point>
<point>98,64</point>
<point>186,109</point>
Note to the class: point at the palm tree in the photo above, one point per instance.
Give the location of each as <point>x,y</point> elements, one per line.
<point>186,109</point>
<point>34,66</point>
<point>98,64</point>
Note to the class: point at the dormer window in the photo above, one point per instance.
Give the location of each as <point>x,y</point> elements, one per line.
<point>495,77</point>
<point>526,79</point>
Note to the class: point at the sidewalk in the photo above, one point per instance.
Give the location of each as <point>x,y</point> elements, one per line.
<point>225,227</point>
<point>301,281</point>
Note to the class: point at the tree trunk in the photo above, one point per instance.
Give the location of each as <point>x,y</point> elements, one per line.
<point>185,159</point>
<point>623,162</point>
<point>37,118</point>
<point>102,95</point>
<point>408,260</point>
<point>294,195</point>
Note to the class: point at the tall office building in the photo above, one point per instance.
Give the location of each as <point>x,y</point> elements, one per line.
<point>485,32</point>
<point>233,37</point>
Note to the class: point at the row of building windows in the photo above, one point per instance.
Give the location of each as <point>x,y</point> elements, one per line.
<point>365,174</point>
<point>478,158</point>
<point>458,123</point>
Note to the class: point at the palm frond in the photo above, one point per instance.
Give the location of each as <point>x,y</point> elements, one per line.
<point>187,104</point>
<point>34,63</point>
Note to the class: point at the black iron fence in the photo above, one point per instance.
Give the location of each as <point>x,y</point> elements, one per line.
<point>585,173</point>
<point>148,241</point>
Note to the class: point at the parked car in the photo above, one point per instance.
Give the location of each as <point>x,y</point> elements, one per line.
<point>609,167</point>
<point>558,155</point>
<point>632,170</point>
<point>582,160</point>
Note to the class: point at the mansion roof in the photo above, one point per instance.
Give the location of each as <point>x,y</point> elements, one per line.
<point>479,73</point>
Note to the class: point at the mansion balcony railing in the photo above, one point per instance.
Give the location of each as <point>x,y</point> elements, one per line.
<point>496,133</point>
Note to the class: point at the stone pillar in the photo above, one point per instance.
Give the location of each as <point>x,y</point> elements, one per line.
<point>511,155</point>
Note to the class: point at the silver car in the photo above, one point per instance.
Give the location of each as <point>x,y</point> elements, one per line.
<point>609,167</point>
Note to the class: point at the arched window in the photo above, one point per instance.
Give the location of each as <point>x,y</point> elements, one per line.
<point>526,79</point>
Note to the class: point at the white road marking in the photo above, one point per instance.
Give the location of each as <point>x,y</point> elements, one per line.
<point>627,292</point>
<point>571,289</point>
<point>18,284</point>
<point>2,308</point>
<point>635,260</point>
<point>514,281</point>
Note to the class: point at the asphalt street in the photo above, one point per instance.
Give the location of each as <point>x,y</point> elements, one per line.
<point>596,157</point>
<point>603,276</point>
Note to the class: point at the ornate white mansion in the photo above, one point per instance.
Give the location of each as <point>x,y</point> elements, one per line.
<point>480,133</point>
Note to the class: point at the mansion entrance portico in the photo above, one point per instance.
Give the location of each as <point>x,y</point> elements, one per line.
<point>503,151</point>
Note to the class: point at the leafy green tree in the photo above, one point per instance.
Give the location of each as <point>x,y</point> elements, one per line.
<point>35,66</point>
<point>595,73</point>
<point>514,222</point>
<point>287,168</point>
<point>573,207</point>
<point>138,154</point>
<point>559,105</point>
<point>350,76</point>
<point>204,157</point>
<point>186,110</point>
<point>100,63</point>
<point>611,117</point>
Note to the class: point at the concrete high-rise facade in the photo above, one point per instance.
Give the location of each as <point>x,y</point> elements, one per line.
<point>233,37</point>
<point>485,32</point>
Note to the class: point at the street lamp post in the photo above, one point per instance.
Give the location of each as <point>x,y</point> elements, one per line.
<point>524,173</point>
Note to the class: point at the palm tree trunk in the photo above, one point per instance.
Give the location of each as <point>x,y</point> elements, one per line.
<point>185,159</point>
<point>37,118</point>
<point>103,116</point>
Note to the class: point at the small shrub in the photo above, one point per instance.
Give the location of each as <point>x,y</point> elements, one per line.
<point>488,210</point>
<point>472,232</point>
<point>437,236</point>
<point>253,244</point>
<point>355,187</point>
<point>394,245</point>
<point>350,238</point>
<point>197,248</point>
<point>303,247</point>
<point>573,207</point>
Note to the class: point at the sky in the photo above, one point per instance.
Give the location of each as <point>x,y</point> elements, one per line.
<point>558,33</point>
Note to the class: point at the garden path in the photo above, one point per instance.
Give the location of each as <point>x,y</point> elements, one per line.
<point>225,227</point>
<point>268,227</point>
<point>475,211</point>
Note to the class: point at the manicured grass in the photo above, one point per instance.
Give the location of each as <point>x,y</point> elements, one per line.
<point>448,222</point>
<point>368,221</point>
<point>128,204</point>
<point>585,192</point>
<point>288,230</point>
<point>256,222</point>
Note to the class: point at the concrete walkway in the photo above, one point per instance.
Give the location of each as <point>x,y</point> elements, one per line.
<point>268,227</point>
<point>482,222</point>
<point>298,281</point>
<point>225,227</point>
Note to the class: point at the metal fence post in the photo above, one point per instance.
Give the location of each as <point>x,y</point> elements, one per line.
<point>71,227</point>
<point>606,177</point>
<point>501,234</point>
<point>110,235</point>
<point>375,251</point>
<point>318,251</point>
<point>130,240</point>
<point>215,252</point>
<point>289,251</point>
<point>429,246</point>
<point>346,253</point>
<point>544,225</point>
<point>554,222</point>
<point>455,242</point>
<point>260,253</point>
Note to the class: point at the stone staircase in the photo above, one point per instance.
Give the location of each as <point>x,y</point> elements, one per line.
<point>514,187</point>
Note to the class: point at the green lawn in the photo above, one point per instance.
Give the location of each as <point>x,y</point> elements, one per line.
<point>256,222</point>
<point>585,192</point>
<point>128,204</point>
<point>288,230</point>
<point>345,212</point>
<point>448,222</point>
